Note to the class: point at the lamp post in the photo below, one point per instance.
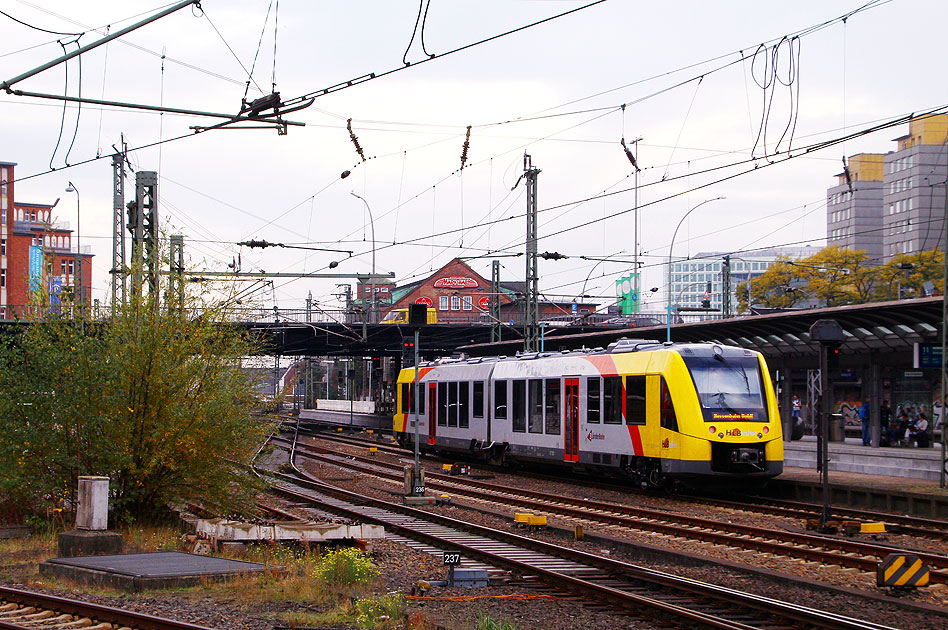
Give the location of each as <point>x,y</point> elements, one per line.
<point>78,257</point>
<point>670,248</point>
<point>372,285</point>
<point>599,262</point>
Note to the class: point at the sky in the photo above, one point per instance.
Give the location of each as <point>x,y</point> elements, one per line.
<point>725,97</point>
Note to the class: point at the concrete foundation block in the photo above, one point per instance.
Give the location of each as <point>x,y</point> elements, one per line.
<point>76,543</point>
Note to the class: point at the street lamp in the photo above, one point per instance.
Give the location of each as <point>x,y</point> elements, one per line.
<point>600,261</point>
<point>78,257</point>
<point>372,286</point>
<point>670,248</point>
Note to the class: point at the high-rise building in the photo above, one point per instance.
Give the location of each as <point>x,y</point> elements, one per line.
<point>690,278</point>
<point>893,203</point>
<point>854,206</point>
<point>38,260</point>
<point>915,179</point>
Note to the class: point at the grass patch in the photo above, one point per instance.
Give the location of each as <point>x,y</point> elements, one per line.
<point>489,623</point>
<point>19,557</point>
<point>382,612</point>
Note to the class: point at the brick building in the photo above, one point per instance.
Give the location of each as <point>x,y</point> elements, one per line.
<point>461,295</point>
<point>38,260</point>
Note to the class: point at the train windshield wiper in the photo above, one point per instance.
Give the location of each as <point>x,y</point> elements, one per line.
<point>722,404</point>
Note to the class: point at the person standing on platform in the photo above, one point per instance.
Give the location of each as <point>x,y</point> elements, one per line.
<point>885,417</point>
<point>797,407</point>
<point>864,418</point>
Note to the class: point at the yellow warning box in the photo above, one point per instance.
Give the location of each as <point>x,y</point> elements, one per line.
<point>536,521</point>
<point>902,570</point>
<point>872,528</point>
<point>522,518</point>
<point>446,467</point>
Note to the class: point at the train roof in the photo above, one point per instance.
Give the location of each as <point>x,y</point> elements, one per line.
<point>617,347</point>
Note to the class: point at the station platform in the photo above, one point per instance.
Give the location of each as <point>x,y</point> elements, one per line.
<point>888,479</point>
<point>139,571</point>
<point>912,464</point>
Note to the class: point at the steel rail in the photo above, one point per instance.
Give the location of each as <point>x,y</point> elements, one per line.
<point>707,530</point>
<point>615,596</point>
<point>98,612</point>
<point>912,525</point>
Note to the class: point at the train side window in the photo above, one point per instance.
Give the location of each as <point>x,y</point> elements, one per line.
<point>442,404</point>
<point>406,389</point>
<point>635,400</point>
<point>500,400</point>
<point>668,418</point>
<point>593,399</point>
<point>478,411</point>
<point>464,404</point>
<point>518,403</point>
<point>535,406</point>
<point>452,404</point>
<point>612,399</point>
<point>552,406</point>
<point>421,398</point>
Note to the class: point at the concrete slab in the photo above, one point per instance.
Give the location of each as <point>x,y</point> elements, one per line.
<point>221,530</point>
<point>140,571</point>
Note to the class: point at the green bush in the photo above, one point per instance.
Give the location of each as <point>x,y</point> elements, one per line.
<point>346,568</point>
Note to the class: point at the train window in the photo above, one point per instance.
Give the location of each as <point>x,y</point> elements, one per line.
<point>518,403</point>
<point>669,419</point>
<point>478,411</point>
<point>552,406</point>
<point>464,405</point>
<point>452,404</point>
<point>421,398</point>
<point>442,404</point>
<point>406,392</point>
<point>500,400</point>
<point>635,400</point>
<point>593,402</point>
<point>612,399</point>
<point>535,406</point>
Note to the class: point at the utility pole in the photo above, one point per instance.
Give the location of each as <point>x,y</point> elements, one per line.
<point>495,301</point>
<point>726,284</point>
<point>118,228</point>
<point>829,334</point>
<point>531,334</point>
<point>143,224</point>
<point>176,277</point>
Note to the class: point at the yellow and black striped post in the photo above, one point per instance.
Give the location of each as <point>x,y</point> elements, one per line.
<point>903,570</point>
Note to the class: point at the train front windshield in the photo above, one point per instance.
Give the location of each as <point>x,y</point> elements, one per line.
<point>729,388</point>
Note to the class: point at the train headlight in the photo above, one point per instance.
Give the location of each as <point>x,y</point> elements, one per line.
<point>711,429</point>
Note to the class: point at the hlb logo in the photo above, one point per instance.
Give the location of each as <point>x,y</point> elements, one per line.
<point>738,433</point>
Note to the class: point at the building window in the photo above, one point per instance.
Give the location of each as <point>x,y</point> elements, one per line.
<point>72,267</point>
<point>3,277</point>
<point>63,265</point>
<point>455,303</point>
<point>468,303</point>
<point>443,303</point>
<point>3,247</point>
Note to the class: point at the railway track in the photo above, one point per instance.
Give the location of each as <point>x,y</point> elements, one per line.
<point>910,525</point>
<point>864,556</point>
<point>663,598</point>
<point>28,610</point>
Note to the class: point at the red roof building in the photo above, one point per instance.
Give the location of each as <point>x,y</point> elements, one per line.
<point>39,264</point>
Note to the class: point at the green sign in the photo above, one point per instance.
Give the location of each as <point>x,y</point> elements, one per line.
<point>627,296</point>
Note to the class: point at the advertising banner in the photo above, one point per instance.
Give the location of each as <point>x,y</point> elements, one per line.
<point>36,268</point>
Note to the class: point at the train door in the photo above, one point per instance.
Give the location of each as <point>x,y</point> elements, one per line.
<point>432,412</point>
<point>571,420</point>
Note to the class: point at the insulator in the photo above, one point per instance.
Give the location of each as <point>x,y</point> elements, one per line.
<point>355,140</point>
<point>465,147</point>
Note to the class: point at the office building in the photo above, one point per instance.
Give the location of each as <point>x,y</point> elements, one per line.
<point>689,278</point>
